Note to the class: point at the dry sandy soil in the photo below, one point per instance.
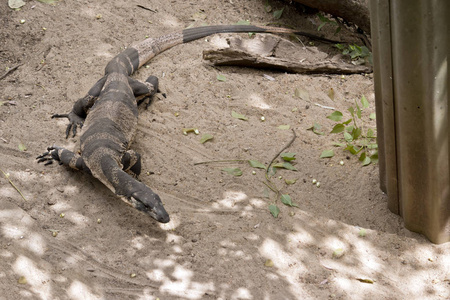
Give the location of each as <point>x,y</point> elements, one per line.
<point>221,234</point>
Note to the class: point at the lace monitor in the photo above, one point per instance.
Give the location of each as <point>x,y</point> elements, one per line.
<point>108,115</point>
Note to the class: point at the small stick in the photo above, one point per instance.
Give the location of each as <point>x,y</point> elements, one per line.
<point>146,8</point>
<point>324,106</point>
<point>14,186</point>
<point>10,71</point>
<point>284,148</point>
<point>220,161</point>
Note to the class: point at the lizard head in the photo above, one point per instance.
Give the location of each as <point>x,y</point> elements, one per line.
<point>149,203</point>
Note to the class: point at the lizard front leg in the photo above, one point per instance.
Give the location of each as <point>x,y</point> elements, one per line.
<point>64,157</point>
<point>131,161</point>
<point>81,107</point>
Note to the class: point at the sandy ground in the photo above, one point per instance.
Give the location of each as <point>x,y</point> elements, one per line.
<point>221,235</point>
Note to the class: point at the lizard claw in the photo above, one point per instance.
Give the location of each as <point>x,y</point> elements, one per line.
<point>75,121</point>
<point>49,156</point>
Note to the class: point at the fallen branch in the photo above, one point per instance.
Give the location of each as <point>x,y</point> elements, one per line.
<point>276,53</point>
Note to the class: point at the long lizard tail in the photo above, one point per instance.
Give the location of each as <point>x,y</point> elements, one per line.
<point>151,47</point>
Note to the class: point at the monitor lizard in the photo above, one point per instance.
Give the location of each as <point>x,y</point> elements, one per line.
<point>108,115</point>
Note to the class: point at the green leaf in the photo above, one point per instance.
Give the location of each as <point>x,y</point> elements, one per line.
<point>48,1</point>
<point>351,149</point>
<point>358,110</point>
<point>302,94</point>
<point>284,127</point>
<point>322,18</point>
<point>372,116</point>
<point>22,147</point>
<point>286,199</point>
<point>338,144</point>
<point>335,116</point>
<point>362,157</point>
<point>265,193</point>
<point>187,130</point>
<point>320,26</point>
<point>354,54</point>
<point>366,161</point>
<point>327,154</point>
<point>348,122</point>
<point>315,128</point>
<point>365,51</point>
<point>288,166</point>
<point>221,77</point>
<point>272,171</point>
<point>238,116</point>
<point>274,210</point>
<point>14,4</point>
<point>338,253</point>
<point>356,133</point>
<point>290,181</point>
<point>233,171</point>
<point>206,137</point>
<point>22,280</point>
<point>331,94</point>
<point>278,13</point>
<point>338,128</point>
<point>352,111</point>
<point>374,157</point>
<point>284,165</point>
<point>257,164</point>
<point>348,137</point>
<point>362,232</point>
<point>364,102</point>
<point>287,156</point>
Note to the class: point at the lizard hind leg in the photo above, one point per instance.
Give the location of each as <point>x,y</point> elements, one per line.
<point>79,110</point>
<point>131,162</point>
<point>144,90</point>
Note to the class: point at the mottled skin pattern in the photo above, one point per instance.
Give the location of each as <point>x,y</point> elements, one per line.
<point>108,115</point>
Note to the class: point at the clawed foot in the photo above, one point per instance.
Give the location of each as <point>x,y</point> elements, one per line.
<point>49,156</point>
<point>74,122</point>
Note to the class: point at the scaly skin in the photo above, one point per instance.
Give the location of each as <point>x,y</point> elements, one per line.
<point>109,114</point>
